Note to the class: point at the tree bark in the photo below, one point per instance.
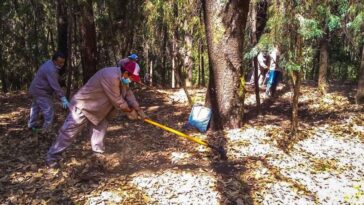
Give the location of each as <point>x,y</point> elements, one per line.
<point>164,55</point>
<point>360,91</point>
<point>322,79</point>
<point>62,33</point>
<point>62,26</point>
<point>3,79</point>
<point>69,50</point>
<point>202,51</point>
<point>188,60</point>
<point>256,84</point>
<point>199,63</point>
<point>296,82</point>
<point>4,84</point>
<point>113,41</point>
<point>36,37</point>
<point>203,82</point>
<point>225,23</point>
<point>151,72</point>
<point>88,43</point>
<point>255,59</point>
<point>174,60</point>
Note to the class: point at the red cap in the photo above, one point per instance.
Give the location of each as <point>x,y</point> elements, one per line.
<point>133,69</point>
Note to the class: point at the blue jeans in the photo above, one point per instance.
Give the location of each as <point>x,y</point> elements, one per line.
<point>273,81</point>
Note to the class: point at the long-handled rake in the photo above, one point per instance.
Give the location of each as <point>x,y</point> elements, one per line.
<point>219,150</point>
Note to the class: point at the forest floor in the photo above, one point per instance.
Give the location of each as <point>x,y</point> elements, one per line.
<point>323,164</point>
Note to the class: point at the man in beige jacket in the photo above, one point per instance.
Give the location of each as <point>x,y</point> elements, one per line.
<point>92,104</point>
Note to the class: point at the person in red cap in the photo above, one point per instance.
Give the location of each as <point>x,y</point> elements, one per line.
<point>94,104</point>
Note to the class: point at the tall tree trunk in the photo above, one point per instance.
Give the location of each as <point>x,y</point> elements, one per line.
<point>174,60</point>
<point>51,38</point>
<point>322,79</point>
<point>202,51</point>
<point>146,57</point>
<point>316,65</point>
<point>76,71</point>
<point>62,33</point>
<point>112,30</point>
<point>88,44</point>
<point>360,91</point>
<point>62,26</point>
<point>188,60</point>
<point>203,83</point>
<point>151,72</point>
<point>164,55</point>
<point>3,79</point>
<point>296,82</point>
<point>69,50</point>
<point>36,38</point>
<point>255,59</point>
<point>225,23</point>
<point>256,84</point>
<point>4,84</point>
<point>199,64</point>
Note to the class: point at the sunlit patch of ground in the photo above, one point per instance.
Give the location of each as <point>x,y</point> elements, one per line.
<point>322,165</point>
<point>178,187</point>
<point>323,168</point>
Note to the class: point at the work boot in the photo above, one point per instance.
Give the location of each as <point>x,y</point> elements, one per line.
<point>35,130</point>
<point>53,164</point>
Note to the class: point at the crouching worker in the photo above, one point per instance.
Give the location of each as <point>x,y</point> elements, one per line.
<point>107,90</point>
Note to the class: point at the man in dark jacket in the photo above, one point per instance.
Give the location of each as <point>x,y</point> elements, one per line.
<point>44,84</point>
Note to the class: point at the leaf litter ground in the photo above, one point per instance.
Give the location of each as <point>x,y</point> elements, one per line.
<point>144,165</point>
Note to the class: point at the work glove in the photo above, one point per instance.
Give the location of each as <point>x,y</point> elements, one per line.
<point>126,110</point>
<point>65,102</point>
<point>133,115</point>
<point>141,114</point>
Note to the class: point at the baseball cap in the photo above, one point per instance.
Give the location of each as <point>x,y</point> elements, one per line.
<point>133,69</point>
<point>133,56</point>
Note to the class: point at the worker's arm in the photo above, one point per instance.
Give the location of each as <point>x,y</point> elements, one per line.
<point>52,78</point>
<point>132,101</point>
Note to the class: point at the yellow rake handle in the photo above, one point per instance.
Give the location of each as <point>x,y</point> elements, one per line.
<point>193,139</point>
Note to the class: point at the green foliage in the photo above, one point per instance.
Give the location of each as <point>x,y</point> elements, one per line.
<point>334,22</point>
<point>309,28</point>
<point>28,35</point>
<point>357,23</point>
<point>249,55</point>
<point>290,65</point>
<point>265,44</point>
<point>25,39</point>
